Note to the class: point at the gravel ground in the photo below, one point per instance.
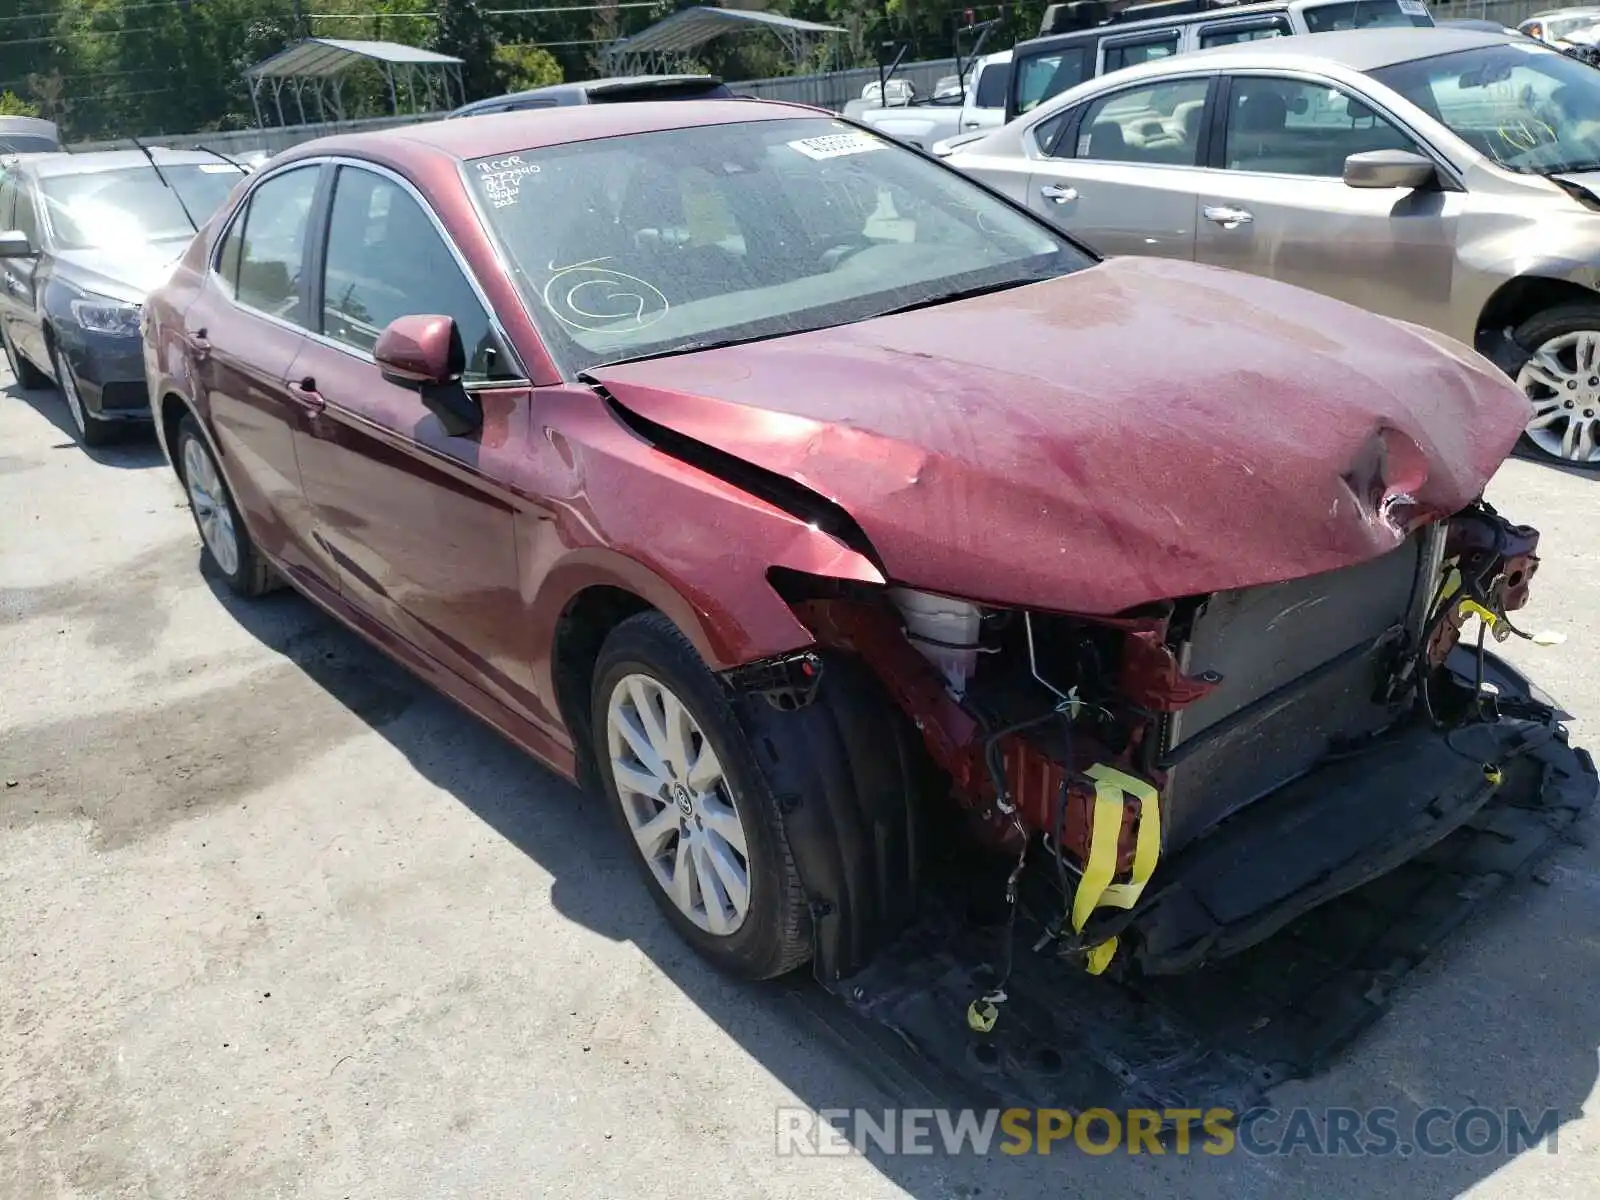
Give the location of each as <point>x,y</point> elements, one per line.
<point>276,921</point>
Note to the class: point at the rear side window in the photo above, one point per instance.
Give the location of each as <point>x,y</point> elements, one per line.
<point>1252,31</point>
<point>1141,50</point>
<point>1039,78</point>
<point>991,89</point>
<point>1158,125</point>
<point>265,260</point>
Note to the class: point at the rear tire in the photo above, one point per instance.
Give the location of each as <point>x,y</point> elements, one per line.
<point>227,546</point>
<point>29,377</point>
<point>1561,380</point>
<point>91,430</point>
<point>699,817</point>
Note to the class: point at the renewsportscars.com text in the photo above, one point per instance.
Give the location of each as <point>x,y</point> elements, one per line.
<point>1374,1132</point>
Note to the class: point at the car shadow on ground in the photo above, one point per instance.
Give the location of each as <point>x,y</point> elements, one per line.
<point>135,447</point>
<point>1529,453</point>
<point>1502,1023</point>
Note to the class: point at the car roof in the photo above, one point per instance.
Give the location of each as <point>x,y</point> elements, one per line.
<point>582,88</point>
<point>93,161</point>
<point>535,128</point>
<point>1358,49</point>
<point>1117,28</point>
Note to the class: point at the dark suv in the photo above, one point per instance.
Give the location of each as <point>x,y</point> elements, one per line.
<point>604,91</point>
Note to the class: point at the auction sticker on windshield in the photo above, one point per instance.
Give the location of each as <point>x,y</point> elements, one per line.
<point>1413,8</point>
<point>837,145</point>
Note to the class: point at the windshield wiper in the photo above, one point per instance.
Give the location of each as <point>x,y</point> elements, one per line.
<point>1572,168</point>
<point>689,348</point>
<point>167,183</point>
<point>966,293</point>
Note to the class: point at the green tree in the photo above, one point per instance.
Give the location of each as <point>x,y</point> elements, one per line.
<point>522,67</point>
<point>464,33</point>
<point>13,105</point>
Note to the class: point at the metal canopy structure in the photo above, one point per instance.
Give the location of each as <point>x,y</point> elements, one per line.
<point>316,67</point>
<point>667,47</point>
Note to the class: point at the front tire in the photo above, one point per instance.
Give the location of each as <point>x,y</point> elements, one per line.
<point>91,430</point>
<point>228,548</point>
<point>695,808</point>
<point>1561,380</point>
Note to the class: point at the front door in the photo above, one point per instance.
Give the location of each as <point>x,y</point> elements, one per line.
<point>1121,175</point>
<point>421,527</point>
<point>20,307</point>
<point>244,331</point>
<point>1275,203</point>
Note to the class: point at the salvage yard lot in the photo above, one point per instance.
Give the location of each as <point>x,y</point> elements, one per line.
<point>277,921</point>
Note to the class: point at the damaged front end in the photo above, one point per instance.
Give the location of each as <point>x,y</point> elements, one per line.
<point>1187,778</point>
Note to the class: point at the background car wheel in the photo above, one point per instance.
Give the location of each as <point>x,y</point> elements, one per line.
<point>228,547</point>
<point>27,375</point>
<point>91,430</point>
<point>1562,382</point>
<point>697,811</point>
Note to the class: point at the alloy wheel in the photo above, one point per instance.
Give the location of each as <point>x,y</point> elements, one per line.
<point>1561,380</point>
<point>208,497</point>
<point>69,392</point>
<point>678,803</point>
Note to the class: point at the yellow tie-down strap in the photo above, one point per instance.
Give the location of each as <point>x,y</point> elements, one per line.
<point>1095,889</point>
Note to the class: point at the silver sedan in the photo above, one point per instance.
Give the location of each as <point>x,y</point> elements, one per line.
<point>1449,178</point>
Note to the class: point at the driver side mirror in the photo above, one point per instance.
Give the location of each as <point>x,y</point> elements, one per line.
<point>1389,169</point>
<point>424,354</point>
<point>14,244</point>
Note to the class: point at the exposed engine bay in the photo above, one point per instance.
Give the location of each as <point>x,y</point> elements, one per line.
<point>1136,757</point>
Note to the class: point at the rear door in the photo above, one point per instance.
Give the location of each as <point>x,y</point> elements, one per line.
<point>421,523</point>
<point>1121,170</point>
<point>1273,200</point>
<point>244,330</point>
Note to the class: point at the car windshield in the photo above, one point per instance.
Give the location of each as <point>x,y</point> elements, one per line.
<point>1560,27</point>
<point>629,247</point>
<point>1366,14</point>
<point>126,205</point>
<point>1527,107</point>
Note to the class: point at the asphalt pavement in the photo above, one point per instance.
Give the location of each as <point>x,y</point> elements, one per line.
<point>275,920</point>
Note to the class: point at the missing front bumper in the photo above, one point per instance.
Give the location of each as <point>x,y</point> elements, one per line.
<point>1317,944</point>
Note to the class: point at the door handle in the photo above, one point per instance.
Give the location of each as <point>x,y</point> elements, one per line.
<point>305,393</point>
<point>1227,216</point>
<point>198,345</point>
<point>1058,192</point>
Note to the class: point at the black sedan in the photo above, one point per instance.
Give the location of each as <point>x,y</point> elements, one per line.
<point>83,239</point>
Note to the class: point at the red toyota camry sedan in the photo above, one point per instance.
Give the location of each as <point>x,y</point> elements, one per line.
<point>788,489</point>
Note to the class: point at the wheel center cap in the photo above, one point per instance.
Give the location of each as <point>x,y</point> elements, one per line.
<point>683,799</point>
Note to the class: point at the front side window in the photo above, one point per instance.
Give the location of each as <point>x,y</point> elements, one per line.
<point>1526,107</point>
<point>1366,14</point>
<point>992,83</point>
<point>267,259</point>
<point>643,244</point>
<point>1298,127</point>
<point>1043,76</point>
<point>1150,49</point>
<point>112,208</point>
<point>385,259</point>
<point>26,217</point>
<point>1158,124</point>
<point>1253,31</point>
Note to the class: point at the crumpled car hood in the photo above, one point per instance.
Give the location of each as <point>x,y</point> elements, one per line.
<point>1137,431</point>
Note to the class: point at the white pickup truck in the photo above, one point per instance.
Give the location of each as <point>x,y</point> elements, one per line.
<point>979,107</point>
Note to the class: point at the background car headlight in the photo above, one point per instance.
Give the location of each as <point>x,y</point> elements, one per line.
<point>107,316</point>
